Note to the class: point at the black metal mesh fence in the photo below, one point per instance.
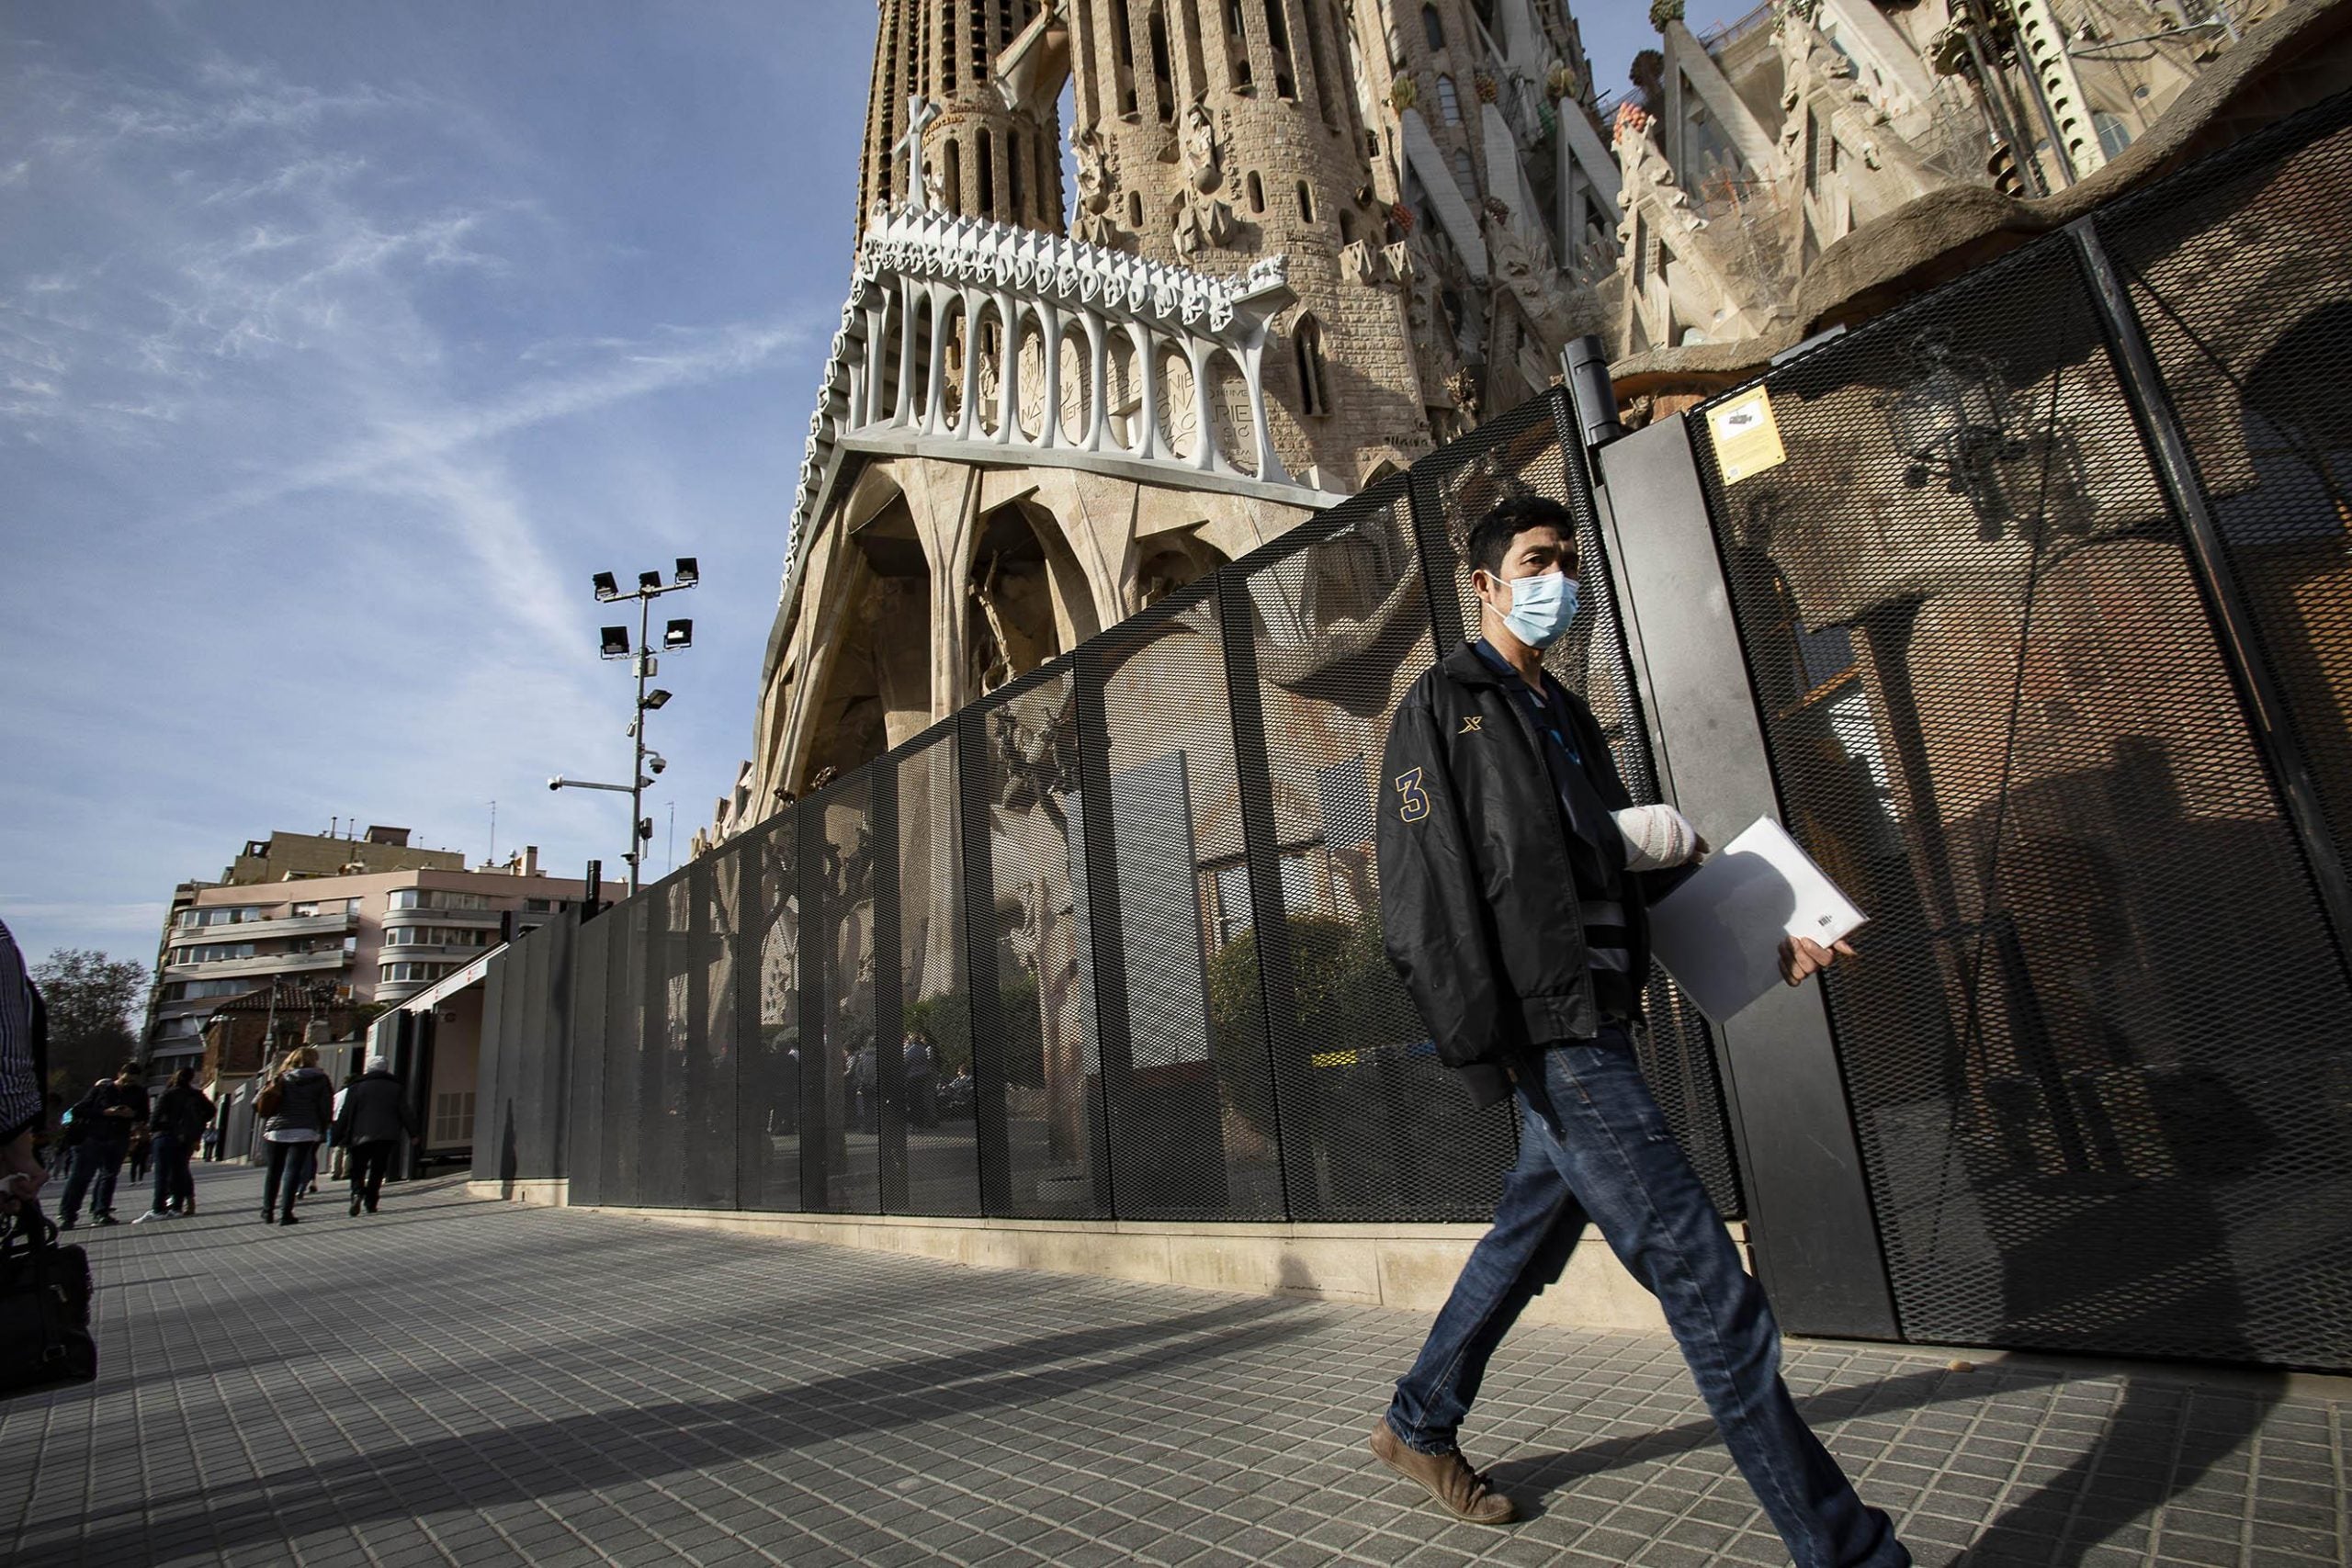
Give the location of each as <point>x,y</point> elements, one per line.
<point>2097,1049</point>
<point>1108,942</point>
<point>2049,617</point>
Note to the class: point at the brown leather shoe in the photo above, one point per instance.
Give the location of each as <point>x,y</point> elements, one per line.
<point>1446,1477</point>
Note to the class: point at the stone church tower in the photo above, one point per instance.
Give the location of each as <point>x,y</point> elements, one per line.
<point>982,158</point>
<point>1211,133</point>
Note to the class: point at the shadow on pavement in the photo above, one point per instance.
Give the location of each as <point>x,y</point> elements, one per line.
<point>581,1451</point>
<point>2150,1451</point>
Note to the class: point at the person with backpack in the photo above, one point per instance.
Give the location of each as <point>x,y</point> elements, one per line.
<point>181,1112</point>
<point>104,1122</point>
<point>375,1114</point>
<point>296,1110</point>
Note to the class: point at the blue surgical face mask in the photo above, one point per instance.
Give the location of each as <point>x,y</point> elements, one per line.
<point>1541,608</point>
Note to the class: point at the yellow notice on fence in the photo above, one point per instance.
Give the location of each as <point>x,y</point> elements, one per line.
<point>1747,438</point>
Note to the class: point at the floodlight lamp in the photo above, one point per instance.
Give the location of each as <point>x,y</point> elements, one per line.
<point>615,643</point>
<point>679,634</point>
<point>605,587</point>
<point>688,574</point>
<point>655,698</point>
<point>649,582</point>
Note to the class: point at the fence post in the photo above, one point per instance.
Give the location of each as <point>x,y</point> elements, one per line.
<point>1269,920</point>
<point>980,939</point>
<point>815,935</point>
<point>1106,928</point>
<point>889,992</point>
<point>2225,602</point>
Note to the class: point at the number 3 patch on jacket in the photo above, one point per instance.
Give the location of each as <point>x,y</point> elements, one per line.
<point>1415,803</point>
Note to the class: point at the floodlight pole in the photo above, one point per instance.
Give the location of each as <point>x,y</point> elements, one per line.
<point>646,591</point>
<point>637,730</point>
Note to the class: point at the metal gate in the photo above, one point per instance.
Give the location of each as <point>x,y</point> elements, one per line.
<point>2048,614</point>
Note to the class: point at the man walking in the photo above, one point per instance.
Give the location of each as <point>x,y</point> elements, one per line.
<point>374,1114</point>
<point>1523,937</point>
<point>106,1118</point>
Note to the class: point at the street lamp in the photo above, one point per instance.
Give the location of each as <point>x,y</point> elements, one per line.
<point>614,643</point>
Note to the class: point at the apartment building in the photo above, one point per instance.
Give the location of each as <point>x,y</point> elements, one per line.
<point>361,919</point>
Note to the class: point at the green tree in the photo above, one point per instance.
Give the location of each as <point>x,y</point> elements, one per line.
<point>89,997</point>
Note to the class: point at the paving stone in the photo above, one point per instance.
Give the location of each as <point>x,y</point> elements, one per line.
<point>533,1385</point>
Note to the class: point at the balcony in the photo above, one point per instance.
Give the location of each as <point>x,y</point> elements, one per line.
<point>335,924</point>
<point>435,952</point>
<point>443,918</point>
<point>261,963</point>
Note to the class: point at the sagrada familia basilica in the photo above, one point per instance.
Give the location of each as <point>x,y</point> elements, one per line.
<point>1311,239</point>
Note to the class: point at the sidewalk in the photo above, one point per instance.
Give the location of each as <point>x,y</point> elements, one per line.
<point>465,1381</point>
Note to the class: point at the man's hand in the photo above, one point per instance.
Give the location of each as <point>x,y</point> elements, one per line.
<point>1802,957</point>
<point>21,1175</point>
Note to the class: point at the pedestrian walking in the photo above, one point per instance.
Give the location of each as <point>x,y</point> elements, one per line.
<point>23,1067</point>
<point>1523,937</point>
<point>296,1110</point>
<point>212,1129</point>
<point>920,1066</point>
<point>374,1117</point>
<point>104,1121</point>
<point>181,1114</point>
<point>339,1156</point>
<point>142,1146</point>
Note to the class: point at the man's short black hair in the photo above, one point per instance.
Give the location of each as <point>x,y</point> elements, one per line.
<point>128,1070</point>
<point>1491,539</point>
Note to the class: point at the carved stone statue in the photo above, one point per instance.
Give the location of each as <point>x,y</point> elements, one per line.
<point>1643,172</point>
<point>1096,186</point>
<point>1814,72</point>
<point>1554,309</point>
<point>934,188</point>
<point>1203,221</point>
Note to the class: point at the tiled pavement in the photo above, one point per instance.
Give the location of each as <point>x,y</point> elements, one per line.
<point>466,1382</point>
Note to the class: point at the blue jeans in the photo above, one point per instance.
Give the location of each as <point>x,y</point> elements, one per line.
<point>290,1168</point>
<point>1594,1144</point>
<point>98,1164</point>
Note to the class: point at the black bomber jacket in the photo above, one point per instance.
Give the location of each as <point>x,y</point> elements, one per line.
<point>1477,898</point>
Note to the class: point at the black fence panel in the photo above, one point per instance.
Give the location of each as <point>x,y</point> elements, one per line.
<point>626,1118</point>
<point>932,1106</point>
<point>1037,1054</point>
<point>2095,1048</point>
<point>1527,452</point>
<point>713,896</point>
<point>585,1127</point>
<point>1329,624</point>
<point>768,1108</point>
<point>500,1049</point>
<point>840,1158</point>
<point>2237,273</point>
<point>1191,1100</point>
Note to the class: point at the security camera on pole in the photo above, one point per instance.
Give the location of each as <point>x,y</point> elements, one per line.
<point>615,645</point>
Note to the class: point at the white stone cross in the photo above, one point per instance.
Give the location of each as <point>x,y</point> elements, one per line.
<point>921,112</point>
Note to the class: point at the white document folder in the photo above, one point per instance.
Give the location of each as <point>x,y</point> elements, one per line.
<point>1719,933</point>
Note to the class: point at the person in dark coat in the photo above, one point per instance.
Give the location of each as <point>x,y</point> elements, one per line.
<point>181,1114</point>
<point>293,1131</point>
<point>1516,914</point>
<point>375,1114</point>
<point>104,1121</point>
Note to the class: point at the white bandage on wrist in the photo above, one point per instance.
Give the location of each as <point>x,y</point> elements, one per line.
<point>1655,837</point>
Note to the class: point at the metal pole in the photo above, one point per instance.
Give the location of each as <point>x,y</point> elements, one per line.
<point>637,729</point>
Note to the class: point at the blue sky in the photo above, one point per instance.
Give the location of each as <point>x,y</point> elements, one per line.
<point>339,345</point>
